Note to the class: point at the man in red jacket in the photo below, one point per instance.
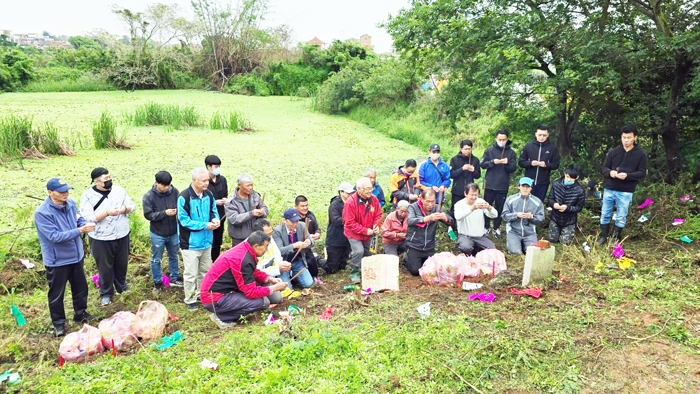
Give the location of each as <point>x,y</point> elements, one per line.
<point>233,286</point>
<point>361,219</point>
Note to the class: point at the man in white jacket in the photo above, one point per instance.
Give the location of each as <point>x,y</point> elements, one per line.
<point>469,214</point>
<point>271,262</point>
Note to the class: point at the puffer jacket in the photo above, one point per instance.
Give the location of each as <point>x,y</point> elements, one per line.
<point>545,151</point>
<point>572,196</point>
<point>517,203</point>
<point>421,235</point>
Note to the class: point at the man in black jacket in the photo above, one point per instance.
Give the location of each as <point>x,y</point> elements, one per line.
<point>160,209</point>
<point>422,226</point>
<point>624,167</point>
<point>464,169</point>
<point>301,205</point>
<point>539,158</point>
<point>499,163</point>
<point>566,199</point>
<point>337,244</point>
<point>218,186</point>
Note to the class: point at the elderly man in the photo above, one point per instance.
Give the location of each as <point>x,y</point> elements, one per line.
<point>337,244</point>
<point>371,173</point>
<point>361,216</point>
<point>107,205</point>
<point>522,213</point>
<point>219,187</point>
<point>469,215</point>
<point>59,227</point>
<point>404,183</point>
<point>198,218</point>
<point>435,173</point>
<point>271,262</point>
<point>243,209</point>
<point>234,287</point>
<point>422,226</point>
<point>301,204</point>
<point>160,209</point>
<point>539,158</point>
<point>291,238</point>
<point>394,230</point>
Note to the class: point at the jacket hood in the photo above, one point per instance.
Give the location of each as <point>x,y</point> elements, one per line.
<point>155,190</point>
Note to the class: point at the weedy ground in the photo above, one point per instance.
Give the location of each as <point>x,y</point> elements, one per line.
<point>592,331</point>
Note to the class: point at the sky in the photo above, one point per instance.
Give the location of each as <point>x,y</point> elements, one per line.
<point>325,19</point>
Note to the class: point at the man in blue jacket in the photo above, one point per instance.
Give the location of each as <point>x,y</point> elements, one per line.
<point>59,227</point>
<point>435,173</point>
<point>197,217</point>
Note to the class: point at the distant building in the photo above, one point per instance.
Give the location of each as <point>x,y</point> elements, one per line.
<point>317,42</point>
<point>366,41</point>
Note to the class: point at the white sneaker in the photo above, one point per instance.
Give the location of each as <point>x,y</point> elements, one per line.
<point>220,323</point>
<point>497,233</point>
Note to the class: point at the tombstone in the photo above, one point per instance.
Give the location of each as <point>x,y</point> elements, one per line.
<point>380,272</point>
<point>538,264</point>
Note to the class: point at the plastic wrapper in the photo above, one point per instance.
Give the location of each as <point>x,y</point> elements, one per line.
<point>152,317</point>
<point>84,342</point>
<point>445,268</point>
<point>120,328</point>
<point>491,261</point>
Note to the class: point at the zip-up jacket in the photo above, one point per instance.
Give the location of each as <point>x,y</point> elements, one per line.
<point>234,271</point>
<point>420,235</point>
<point>281,237</point>
<point>335,236</point>
<point>572,196</point>
<point>633,163</point>
<point>193,214</point>
<point>546,152</point>
<point>154,205</point>
<point>402,184</point>
<point>462,178</point>
<point>220,190</point>
<point>517,203</point>
<point>431,175</point>
<point>498,175</point>
<point>379,193</point>
<point>240,218</point>
<point>59,236</point>
<point>358,217</point>
<point>470,221</point>
<point>313,222</point>
<point>269,263</point>
<point>111,227</point>
<point>392,225</point>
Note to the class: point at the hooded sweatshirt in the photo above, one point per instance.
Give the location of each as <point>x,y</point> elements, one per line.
<point>633,163</point>
<point>498,175</point>
<point>517,203</point>
<point>462,178</point>
<point>154,205</point>
<point>545,151</point>
<point>335,236</point>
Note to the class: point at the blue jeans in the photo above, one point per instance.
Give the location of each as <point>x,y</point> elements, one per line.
<point>304,280</point>
<point>158,244</point>
<point>620,200</point>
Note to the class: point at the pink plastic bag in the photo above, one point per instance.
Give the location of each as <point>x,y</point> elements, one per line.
<point>84,342</point>
<point>120,328</point>
<point>491,261</point>
<point>441,269</point>
<point>152,317</point>
<point>468,266</point>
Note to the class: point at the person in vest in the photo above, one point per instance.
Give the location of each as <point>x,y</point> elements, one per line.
<point>566,199</point>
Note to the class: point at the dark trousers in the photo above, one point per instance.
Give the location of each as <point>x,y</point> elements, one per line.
<point>540,191</point>
<point>112,258</point>
<point>455,199</point>
<point>496,198</point>
<point>218,239</point>
<point>236,241</point>
<point>312,263</point>
<point>414,259</point>
<point>232,306</point>
<point>337,258</point>
<point>57,278</point>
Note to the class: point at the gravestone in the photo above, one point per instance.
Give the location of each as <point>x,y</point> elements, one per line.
<point>538,264</point>
<point>380,272</point>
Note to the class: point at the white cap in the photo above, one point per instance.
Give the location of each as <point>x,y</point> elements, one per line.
<point>345,187</point>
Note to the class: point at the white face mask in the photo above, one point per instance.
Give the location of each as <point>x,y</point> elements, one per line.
<point>501,144</point>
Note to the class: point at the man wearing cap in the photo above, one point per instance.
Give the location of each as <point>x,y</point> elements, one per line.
<point>435,173</point>
<point>59,226</point>
<point>539,158</point>
<point>423,217</point>
<point>107,205</point>
<point>404,183</point>
<point>470,214</point>
<point>337,244</point>
<point>290,237</point>
<point>243,209</point>
<point>499,163</point>
<point>362,217</point>
<point>522,213</point>
<point>219,187</point>
<point>160,209</point>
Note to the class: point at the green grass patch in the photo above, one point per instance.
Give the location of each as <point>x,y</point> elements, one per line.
<point>232,121</point>
<point>105,135</point>
<point>84,83</point>
<point>157,114</point>
<point>21,138</point>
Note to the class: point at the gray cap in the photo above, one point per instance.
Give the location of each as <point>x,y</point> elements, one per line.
<point>345,187</point>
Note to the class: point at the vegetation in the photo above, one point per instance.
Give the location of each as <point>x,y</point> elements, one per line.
<point>21,138</point>
<point>231,121</point>
<point>156,114</point>
<point>104,133</point>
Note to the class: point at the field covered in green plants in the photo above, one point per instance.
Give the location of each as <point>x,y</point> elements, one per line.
<point>593,331</point>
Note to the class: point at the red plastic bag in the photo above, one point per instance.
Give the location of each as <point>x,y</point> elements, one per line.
<point>152,317</point>
<point>84,342</point>
<point>120,328</point>
<point>491,261</point>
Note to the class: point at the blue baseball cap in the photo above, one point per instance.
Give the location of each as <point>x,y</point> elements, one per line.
<point>291,214</point>
<point>525,181</point>
<point>58,185</point>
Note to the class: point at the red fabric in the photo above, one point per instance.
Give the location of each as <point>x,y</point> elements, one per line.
<point>393,225</point>
<point>232,261</point>
<point>533,292</point>
<point>356,222</point>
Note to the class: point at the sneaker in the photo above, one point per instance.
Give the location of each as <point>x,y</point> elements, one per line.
<point>192,307</point>
<point>157,287</point>
<point>59,330</point>
<point>219,323</point>
<point>124,290</point>
<point>176,283</point>
<point>497,233</point>
<point>319,282</point>
<point>106,300</point>
<point>82,318</point>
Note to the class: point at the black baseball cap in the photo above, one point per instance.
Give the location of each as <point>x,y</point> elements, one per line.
<point>434,148</point>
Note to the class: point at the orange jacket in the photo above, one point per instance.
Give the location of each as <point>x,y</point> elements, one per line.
<point>402,184</point>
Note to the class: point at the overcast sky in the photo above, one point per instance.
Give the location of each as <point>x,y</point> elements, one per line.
<point>325,19</point>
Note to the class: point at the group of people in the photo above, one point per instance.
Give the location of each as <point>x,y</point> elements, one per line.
<point>264,259</point>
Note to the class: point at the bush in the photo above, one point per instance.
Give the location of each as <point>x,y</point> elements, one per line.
<point>84,82</point>
<point>16,69</point>
<point>155,114</point>
<point>250,84</point>
<point>340,92</point>
<point>104,132</point>
<point>231,121</point>
<point>287,79</point>
<point>389,81</point>
<point>20,138</point>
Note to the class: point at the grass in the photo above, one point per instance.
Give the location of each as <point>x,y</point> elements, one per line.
<point>575,339</point>
<point>105,135</point>
<point>231,121</point>
<point>84,83</point>
<point>157,114</point>
<point>21,138</point>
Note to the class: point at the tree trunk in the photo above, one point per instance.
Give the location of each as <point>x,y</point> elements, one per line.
<point>564,141</point>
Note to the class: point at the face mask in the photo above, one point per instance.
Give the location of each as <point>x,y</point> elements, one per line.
<point>567,183</point>
<point>108,184</point>
<point>501,144</point>
<point>216,171</point>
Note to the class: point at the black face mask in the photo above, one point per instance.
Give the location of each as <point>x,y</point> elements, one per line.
<point>108,184</point>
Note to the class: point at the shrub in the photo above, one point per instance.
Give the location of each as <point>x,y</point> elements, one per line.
<point>84,82</point>
<point>250,84</point>
<point>20,138</point>
<point>16,69</point>
<point>340,92</point>
<point>104,132</point>
<point>389,81</point>
<point>155,114</point>
<point>287,79</point>
<point>231,121</point>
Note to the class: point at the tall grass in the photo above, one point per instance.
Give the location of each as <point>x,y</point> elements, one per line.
<point>84,83</point>
<point>21,138</point>
<point>104,132</point>
<point>231,121</point>
<point>155,114</point>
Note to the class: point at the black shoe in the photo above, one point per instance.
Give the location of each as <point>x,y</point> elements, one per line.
<point>157,287</point>
<point>59,330</point>
<point>177,283</point>
<point>604,229</point>
<point>616,234</point>
<point>497,233</point>
<point>82,318</point>
<point>124,290</point>
<point>192,307</point>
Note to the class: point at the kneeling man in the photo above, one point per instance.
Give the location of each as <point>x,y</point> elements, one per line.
<point>522,213</point>
<point>469,214</point>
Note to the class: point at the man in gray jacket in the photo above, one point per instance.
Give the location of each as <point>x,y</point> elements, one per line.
<point>243,208</point>
<point>422,226</point>
<point>522,212</point>
<point>290,237</point>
